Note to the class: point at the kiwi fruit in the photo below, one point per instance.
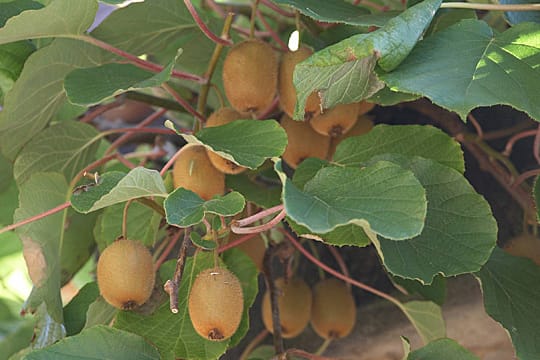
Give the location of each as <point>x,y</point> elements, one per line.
<point>220,117</point>
<point>363,125</point>
<point>125,274</point>
<point>254,248</point>
<point>193,171</point>
<point>364,107</point>
<point>250,73</point>
<point>303,142</point>
<point>216,304</point>
<point>294,303</point>
<point>286,90</point>
<point>336,121</point>
<point>524,245</point>
<point>333,311</point>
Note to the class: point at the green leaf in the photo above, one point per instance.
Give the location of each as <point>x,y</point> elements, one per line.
<point>100,312</point>
<point>142,224</point>
<point>39,93</point>
<point>427,319</point>
<point>459,233</point>
<point>367,197</point>
<point>99,342</point>
<point>184,208</point>
<point>387,97</point>
<point>352,235</point>
<point>75,310</point>
<point>176,337</point>
<point>411,140</point>
<point>42,239</point>
<point>254,191</point>
<point>90,86</point>
<point>343,73</point>
<point>15,335</point>
<point>199,242</point>
<point>448,17</point>
<point>245,142</point>
<point>6,177</point>
<point>62,18</point>
<point>12,58</point>
<point>436,291</point>
<point>115,187</point>
<point>487,60</point>
<point>511,289</point>
<point>13,8</point>
<point>307,170</point>
<point>337,11</point>
<point>516,17</point>
<point>66,147</point>
<point>442,349</point>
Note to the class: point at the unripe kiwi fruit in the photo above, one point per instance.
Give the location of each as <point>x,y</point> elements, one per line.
<point>250,73</point>
<point>336,121</point>
<point>524,245</point>
<point>303,142</point>
<point>220,117</point>
<point>286,90</point>
<point>254,248</point>
<point>216,304</point>
<point>333,311</point>
<point>193,171</point>
<point>125,274</point>
<point>294,303</point>
<point>363,125</point>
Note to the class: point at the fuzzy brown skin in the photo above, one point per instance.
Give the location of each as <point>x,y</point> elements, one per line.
<point>286,90</point>
<point>294,307</point>
<point>194,171</point>
<point>220,117</point>
<point>524,245</point>
<point>336,121</point>
<point>250,73</point>
<point>216,304</point>
<point>364,107</point>
<point>303,142</point>
<point>125,274</point>
<point>333,311</point>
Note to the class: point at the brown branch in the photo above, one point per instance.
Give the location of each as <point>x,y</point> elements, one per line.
<point>171,286</point>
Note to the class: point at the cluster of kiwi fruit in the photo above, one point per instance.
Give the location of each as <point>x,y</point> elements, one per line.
<point>330,308</point>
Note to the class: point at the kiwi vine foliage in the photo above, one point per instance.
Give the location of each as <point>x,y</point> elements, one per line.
<point>400,188</point>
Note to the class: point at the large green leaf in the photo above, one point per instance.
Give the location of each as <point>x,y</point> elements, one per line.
<point>486,60</point>
<point>66,147</point>
<point>427,318</point>
<point>245,142</point>
<point>38,93</point>
<point>14,8</point>
<point>62,18</point>
<point>511,289</point>
<point>184,208</point>
<point>343,73</point>
<point>459,233</point>
<point>12,58</point>
<point>368,197</point>
<point>115,187</point>
<point>442,349</point>
<point>90,86</point>
<point>99,342</point>
<point>42,239</point>
<point>351,234</point>
<point>410,140</point>
<point>337,11</point>
<point>6,177</point>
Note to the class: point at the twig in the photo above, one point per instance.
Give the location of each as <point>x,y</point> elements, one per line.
<point>277,9</point>
<point>497,134</point>
<point>512,141</point>
<point>339,260</point>
<point>307,355</point>
<point>171,286</point>
<point>209,34</point>
<point>258,216</point>
<point>91,115</point>
<point>272,290</point>
<point>268,28</point>
<point>155,101</point>
<point>236,242</point>
<point>476,125</point>
<point>152,205</point>
<point>124,219</point>
<point>260,228</point>
<point>254,11</point>
<point>183,102</point>
<point>253,344</point>
<point>36,217</point>
<point>527,174</point>
<point>169,163</point>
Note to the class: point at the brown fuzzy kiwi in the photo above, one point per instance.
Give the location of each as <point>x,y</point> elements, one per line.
<point>220,117</point>
<point>303,142</point>
<point>363,125</point>
<point>294,302</point>
<point>254,248</point>
<point>193,171</point>
<point>364,107</point>
<point>286,90</point>
<point>336,121</point>
<point>333,312</point>
<point>250,73</point>
<point>125,274</point>
<point>524,245</point>
<point>216,304</point>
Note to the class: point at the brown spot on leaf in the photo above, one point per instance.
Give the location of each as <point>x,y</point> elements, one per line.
<point>35,261</point>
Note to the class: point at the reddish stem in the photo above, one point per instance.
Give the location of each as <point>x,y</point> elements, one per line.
<point>270,109</point>
<point>169,163</point>
<point>168,249</point>
<point>209,34</point>
<point>258,229</point>
<point>258,34</point>
<point>36,217</point>
<point>253,344</point>
<point>183,102</point>
<point>258,216</point>
<point>527,174</point>
<point>91,115</point>
<point>216,8</point>
<point>277,9</point>
<point>307,355</point>
<point>511,142</point>
<point>339,260</point>
<point>476,125</point>
<point>275,36</point>
<point>236,242</point>
<point>125,161</point>
<point>536,145</point>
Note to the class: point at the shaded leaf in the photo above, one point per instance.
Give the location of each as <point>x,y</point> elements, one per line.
<point>427,318</point>
<point>442,349</point>
<point>516,17</point>
<point>184,208</point>
<point>254,191</point>
<point>511,289</point>
<point>100,312</point>
<point>13,8</point>
<point>115,187</point>
<point>350,234</point>
<point>367,197</point>
<point>436,291</point>
<point>486,61</point>
<point>99,342</point>
<point>75,310</point>
<point>387,97</point>
<point>343,73</point>
<point>12,58</point>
